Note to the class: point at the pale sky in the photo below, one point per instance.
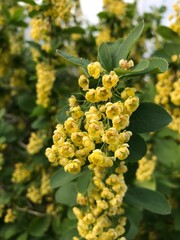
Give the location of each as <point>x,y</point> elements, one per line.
<point>90,8</point>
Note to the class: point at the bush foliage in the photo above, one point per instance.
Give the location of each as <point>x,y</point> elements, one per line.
<point>89,122</point>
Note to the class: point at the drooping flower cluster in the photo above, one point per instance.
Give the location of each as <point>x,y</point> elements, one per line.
<point>36,193</point>
<point>35,143</point>
<point>21,173</point>
<point>116,7</point>
<point>101,216</point>
<point>10,216</point>
<point>168,95</point>
<point>46,77</point>
<point>95,134</point>
<point>176,17</point>
<point>146,166</point>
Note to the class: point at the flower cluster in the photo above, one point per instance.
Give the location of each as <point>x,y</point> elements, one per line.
<point>101,216</point>
<point>176,17</point>
<point>35,143</point>
<point>104,36</point>
<point>17,79</point>
<point>116,7</point>
<point>168,95</point>
<point>46,77</point>
<point>36,193</point>
<point>95,134</point>
<point>146,166</point>
<point>21,173</point>
<point>10,216</point>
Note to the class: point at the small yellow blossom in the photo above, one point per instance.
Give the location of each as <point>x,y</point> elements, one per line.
<point>83,82</point>
<point>94,69</point>
<point>110,80</point>
<point>10,216</point>
<point>126,65</point>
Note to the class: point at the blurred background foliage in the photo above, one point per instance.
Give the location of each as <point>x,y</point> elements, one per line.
<point>35,84</point>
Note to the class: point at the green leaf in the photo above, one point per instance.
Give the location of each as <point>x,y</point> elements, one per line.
<point>40,122</point>
<point>176,215</point>
<point>167,132</point>
<point>26,102</point>
<point>113,46</point>
<point>4,197</point>
<point>147,199</point>
<point>60,177</point>
<point>38,111</point>
<point>2,112</point>
<point>27,1</point>
<point>8,231</point>
<point>126,46</point>
<point>39,226</point>
<point>156,65</point>
<point>74,30</point>
<point>137,148</point>
<point>134,217</point>
<point>83,181</point>
<point>138,69</point>
<point>61,115</point>
<point>67,194</point>
<point>67,225</point>
<point>77,61</point>
<point>167,152</point>
<point>149,117</point>
<point>104,56</point>
<point>23,236</point>
<point>168,34</point>
<point>70,234</point>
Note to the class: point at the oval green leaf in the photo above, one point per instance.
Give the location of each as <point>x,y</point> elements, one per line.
<point>149,117</point>
<point>137,148</point>
<point>60,177</point>
<point>126,46</point>
<point>147,199</point>
<point>83,181</point>
<point>39,226</point>
<point>67,194</point>
<point>77,61</point>
<point>104,56</point>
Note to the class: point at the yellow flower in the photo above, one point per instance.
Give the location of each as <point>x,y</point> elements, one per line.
<point>50,154</point>
<point>78,213</point>
<point>113,110</point>
<point>73,166</point>
<point>126,65</point>
<point>83,82</point>
<point>34,194</point>
<point>95,130</point>
<point>91,95</point>
<point>110,80</point>
<point>111,136</point>
<point>10,216</point>
<point>103,94</point>
<point>97,157</point>
<point>94,69</point>
<point>67,150</point>
<point>81,199</point>
<point>77,137</point>
<point>72,101</point>
<point>21,173</point>
<point>35,143</point>
<point>71,125</point>
<point>128,92</point>
<point>131,104</point>
<point>120,122</point>
<point>122,152</point>
<point>76,112</point>
<point>88,143</point>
